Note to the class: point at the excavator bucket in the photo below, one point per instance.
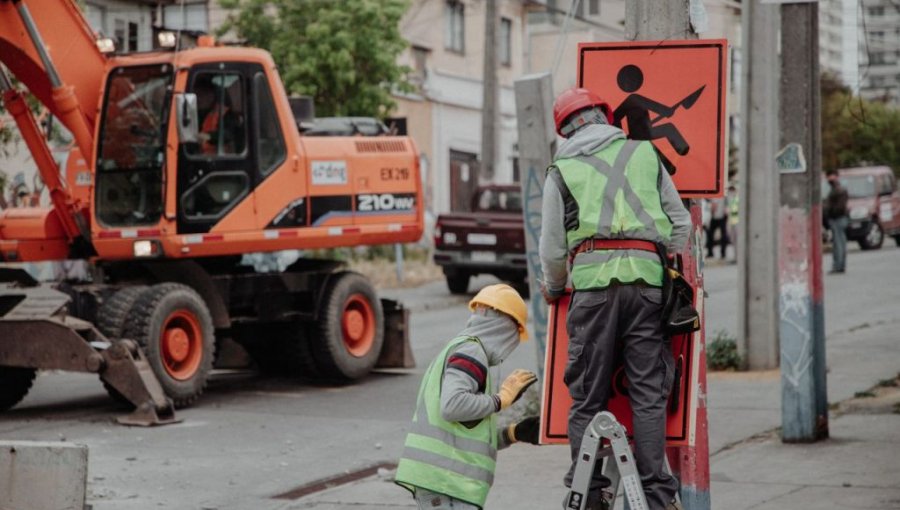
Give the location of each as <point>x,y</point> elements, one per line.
<point>396,351</point>
<point>36,333</point>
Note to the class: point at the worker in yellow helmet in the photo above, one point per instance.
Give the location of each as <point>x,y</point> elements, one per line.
<point>450,452</point>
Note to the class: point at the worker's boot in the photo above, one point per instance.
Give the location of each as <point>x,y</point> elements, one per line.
<point>674,505</point>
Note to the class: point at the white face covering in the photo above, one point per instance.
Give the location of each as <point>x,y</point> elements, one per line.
<point>498,333</point>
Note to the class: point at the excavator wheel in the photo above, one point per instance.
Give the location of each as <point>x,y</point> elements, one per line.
<point>347,339</point>
<point>14,385</point>
<point>111,320</point>
<point>173,325</point>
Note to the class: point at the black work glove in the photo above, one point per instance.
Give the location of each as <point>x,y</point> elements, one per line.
<point>527,430</point>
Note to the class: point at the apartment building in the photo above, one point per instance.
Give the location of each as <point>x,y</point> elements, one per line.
<point>879,61</point>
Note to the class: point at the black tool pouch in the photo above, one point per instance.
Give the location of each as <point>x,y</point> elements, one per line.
<point>679,315</point>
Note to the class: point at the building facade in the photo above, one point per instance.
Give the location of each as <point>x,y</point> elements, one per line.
<point>879,61</point>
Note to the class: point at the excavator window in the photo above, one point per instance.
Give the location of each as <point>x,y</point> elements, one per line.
<point>132,145</point>
<point>222,113</point>
<point>271,151</point>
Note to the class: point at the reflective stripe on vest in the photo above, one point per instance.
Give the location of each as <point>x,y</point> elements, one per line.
<point>446,457</point>
<point>615,195</point>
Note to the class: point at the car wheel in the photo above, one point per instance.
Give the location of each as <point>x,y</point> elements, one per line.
<point>458,283</point>
<point>874,238</point>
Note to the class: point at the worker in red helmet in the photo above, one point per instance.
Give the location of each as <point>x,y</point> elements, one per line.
<point>610,215</point>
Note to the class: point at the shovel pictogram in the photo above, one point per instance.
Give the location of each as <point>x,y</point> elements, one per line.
<point>685,103</point>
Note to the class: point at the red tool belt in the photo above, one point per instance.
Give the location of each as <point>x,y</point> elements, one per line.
<point>612,244</point>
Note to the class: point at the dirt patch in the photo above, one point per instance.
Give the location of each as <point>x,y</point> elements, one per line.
<point>883,398</point>
<point>383,273</point>
<point>755,375</point>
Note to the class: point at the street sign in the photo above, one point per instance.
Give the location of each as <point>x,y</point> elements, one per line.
<point>671,93</point>
<point>557,401</point>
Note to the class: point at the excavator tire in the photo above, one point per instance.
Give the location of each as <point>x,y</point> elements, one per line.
<point>111,320</point>
<point>173,325</point>
<point>14,385</point>
<point>280,349</point>
<point>350,332</point>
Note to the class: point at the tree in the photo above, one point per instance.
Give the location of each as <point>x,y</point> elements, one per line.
<point>343,54</point>
<point>856,131</point>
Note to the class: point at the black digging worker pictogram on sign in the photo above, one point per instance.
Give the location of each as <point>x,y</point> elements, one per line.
<point>636,110</point>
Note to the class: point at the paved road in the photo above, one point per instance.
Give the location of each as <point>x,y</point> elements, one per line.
<point>251,438</point>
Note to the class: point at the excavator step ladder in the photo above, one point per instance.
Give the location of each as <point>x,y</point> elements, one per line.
<point>622,469</point>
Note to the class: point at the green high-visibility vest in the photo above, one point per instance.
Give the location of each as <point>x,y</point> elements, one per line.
<point>613,194</point>
<point>443,456</point>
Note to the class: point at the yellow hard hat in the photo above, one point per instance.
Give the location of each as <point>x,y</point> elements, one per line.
<point>503,298</point>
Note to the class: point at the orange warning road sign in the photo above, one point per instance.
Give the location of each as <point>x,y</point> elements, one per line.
<point>557,401</point>
<point>669,92</point>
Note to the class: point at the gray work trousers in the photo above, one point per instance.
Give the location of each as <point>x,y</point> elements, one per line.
<point>428,500</point>
<point>600,323</point>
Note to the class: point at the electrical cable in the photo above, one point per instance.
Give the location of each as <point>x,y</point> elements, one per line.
<point>564,32</point>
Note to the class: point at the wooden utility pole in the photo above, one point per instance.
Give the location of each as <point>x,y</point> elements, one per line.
<point>663,20</point>
<point>537,138</point>
<point>489,112</point>
<point>804,398</point>
<point>757,243</point>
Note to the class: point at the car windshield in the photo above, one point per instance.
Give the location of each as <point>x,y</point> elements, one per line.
<point>132,146</point>
<point>859,186</point>
<point>500,200</point>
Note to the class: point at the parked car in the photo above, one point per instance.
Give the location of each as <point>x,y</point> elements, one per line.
<point>488,240</point>
<point>874,205</point>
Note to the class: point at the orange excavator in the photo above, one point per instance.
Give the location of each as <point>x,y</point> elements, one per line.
<point>184,161</point>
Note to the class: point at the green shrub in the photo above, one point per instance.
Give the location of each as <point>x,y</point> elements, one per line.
<point>721,352</point>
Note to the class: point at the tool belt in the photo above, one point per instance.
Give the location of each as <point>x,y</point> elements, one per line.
<point>678,314</point>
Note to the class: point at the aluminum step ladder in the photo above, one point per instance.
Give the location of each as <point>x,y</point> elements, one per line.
<point>621,469</point>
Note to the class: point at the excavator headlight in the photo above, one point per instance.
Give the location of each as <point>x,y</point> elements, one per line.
<point>106,45</point>
<point>166,39</point>
<point>146,248</point>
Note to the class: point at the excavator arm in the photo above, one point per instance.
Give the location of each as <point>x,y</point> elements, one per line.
<point>49,47</point>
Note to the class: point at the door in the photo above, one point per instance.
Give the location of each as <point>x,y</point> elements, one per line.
<point>218,172</point>
<point>463,180</point>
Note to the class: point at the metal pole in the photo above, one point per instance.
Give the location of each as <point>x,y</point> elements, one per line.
<point>489,108</point>
<point>757,232</point>
<point>534,104</point>
<point>804,399</point>
<point>660,20</point>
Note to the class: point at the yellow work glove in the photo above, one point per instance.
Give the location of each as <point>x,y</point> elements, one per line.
<point>514,386</point>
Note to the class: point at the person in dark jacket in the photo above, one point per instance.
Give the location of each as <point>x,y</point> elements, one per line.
<point>836,214</point>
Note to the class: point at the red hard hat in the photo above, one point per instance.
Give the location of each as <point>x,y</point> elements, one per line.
<point>574,100</point>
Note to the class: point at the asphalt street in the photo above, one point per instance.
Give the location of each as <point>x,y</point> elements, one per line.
<point>250,439</point>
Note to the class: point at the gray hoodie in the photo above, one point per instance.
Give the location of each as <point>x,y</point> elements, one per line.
<point>461,398</point>
<point>553,248</point>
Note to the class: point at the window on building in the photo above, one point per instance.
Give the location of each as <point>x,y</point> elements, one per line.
<point>877,58</point>
<point>876,11</point>
<point>455,28</point>
<point>420,59</point>
<point>876,35</point>
<point>505,41</point>
<point>119,34</point>
<point>594,7</point>
<point>190,16</point>
<point>132,36</point>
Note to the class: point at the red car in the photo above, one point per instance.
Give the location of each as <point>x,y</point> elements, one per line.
<point>488,240</point>
<point>874,205</point>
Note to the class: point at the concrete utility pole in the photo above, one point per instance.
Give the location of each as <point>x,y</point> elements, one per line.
<point>804,398</point>
<point>534,107</point>
<point>757,232</point>
<point>660,20</point>
<point>489,112</point>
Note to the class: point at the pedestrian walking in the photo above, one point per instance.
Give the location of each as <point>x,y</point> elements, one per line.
<point>448,459</point>
<point>836,212</point>
<point>732,202</point>
<point>608,204</point>
<point>718,222</point>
